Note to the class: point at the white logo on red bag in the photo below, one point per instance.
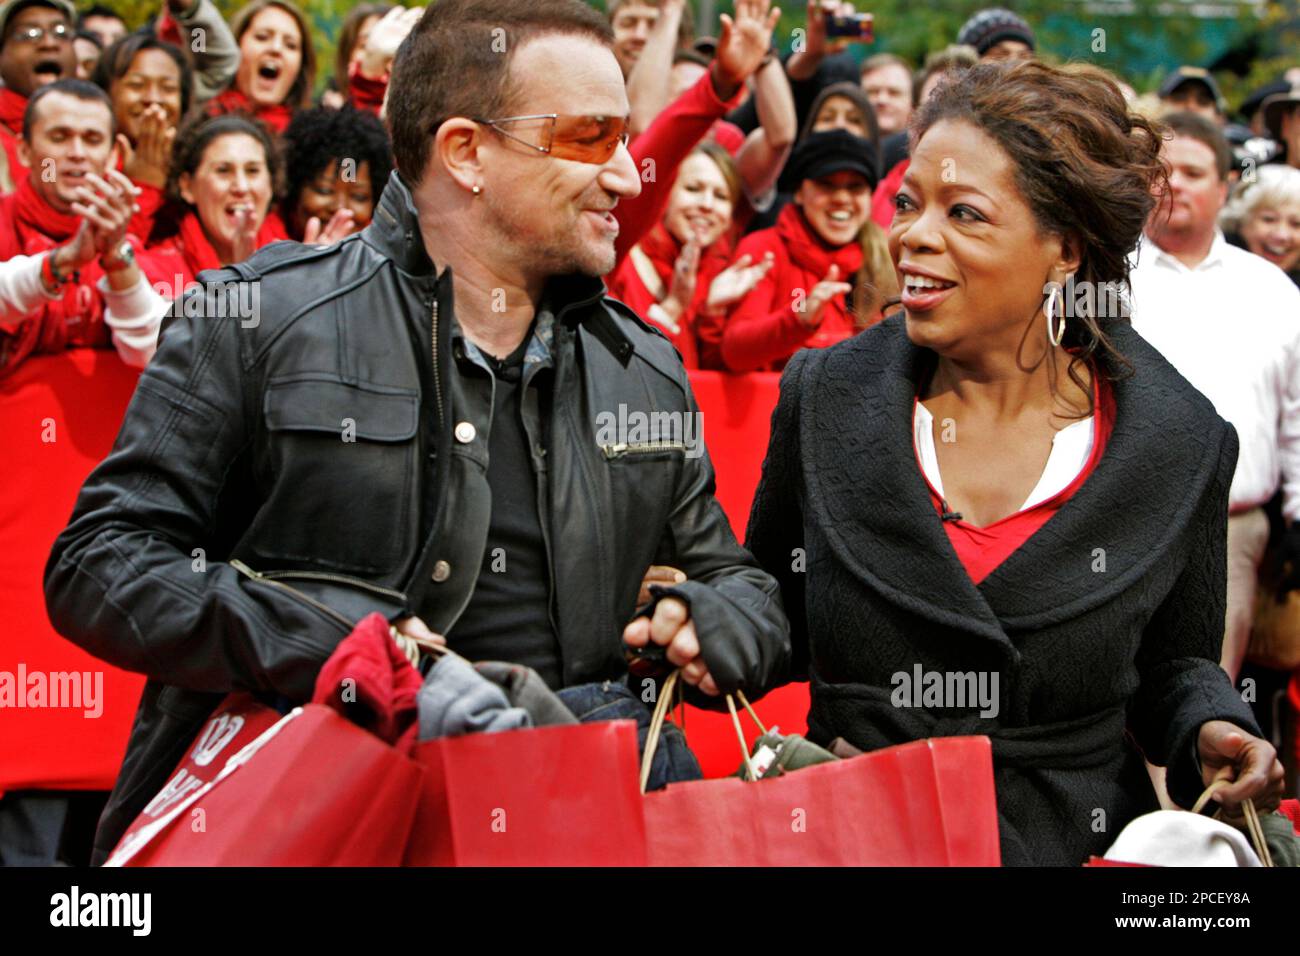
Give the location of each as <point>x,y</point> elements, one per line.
<point>177,788</point>
<point>216,735</point>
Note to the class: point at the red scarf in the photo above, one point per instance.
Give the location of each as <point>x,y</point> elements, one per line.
<point>234,101</point>
<point>662,250</point>
<point>198,251</point>
<point>35,215</point>
<point>810,253</point>
<point>12,107</point>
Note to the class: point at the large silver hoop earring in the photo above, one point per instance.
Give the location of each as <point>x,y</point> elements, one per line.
<point>1057,335</point>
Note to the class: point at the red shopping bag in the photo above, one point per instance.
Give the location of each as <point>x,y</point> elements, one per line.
<point>925,803</point>
<point>546,796</point>
<point>306,789</point>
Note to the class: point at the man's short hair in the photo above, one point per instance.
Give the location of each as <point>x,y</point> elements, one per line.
<point>1197,127</point>
<point>456,63</point>
<point>685,33</point>
<point>78,89</point>
<point>98,10</point>
<point>880,60</point>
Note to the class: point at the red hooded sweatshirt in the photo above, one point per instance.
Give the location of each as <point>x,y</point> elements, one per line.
<point>764,329</point>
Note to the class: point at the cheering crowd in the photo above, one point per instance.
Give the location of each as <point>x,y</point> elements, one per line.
<point>755,205</point>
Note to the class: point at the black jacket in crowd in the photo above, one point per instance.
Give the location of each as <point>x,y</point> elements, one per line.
<point>234,535</point>
<point>1105,627</point>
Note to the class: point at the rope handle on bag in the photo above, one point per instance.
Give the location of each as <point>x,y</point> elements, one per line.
<point>1253,828</point>
<point>661,711</point>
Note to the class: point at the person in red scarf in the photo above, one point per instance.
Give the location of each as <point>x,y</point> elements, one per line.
<point>277,64</point>
<point>371,59</point>
<point>150,83</point>
<point>224,178</point>
<point>666,276</point>
<point>76,219</point>
<point>349,43</point>
<point>801,302</point>
<point>35,49</point>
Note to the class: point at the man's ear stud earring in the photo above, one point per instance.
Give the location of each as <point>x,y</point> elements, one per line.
<point>477,190</point>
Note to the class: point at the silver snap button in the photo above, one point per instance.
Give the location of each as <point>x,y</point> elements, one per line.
<point>465,432</point>
<point>441,571</point>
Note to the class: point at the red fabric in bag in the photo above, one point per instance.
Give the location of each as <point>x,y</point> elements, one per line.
<point>546,796</point>
<point>369,681</point>
<point>925,803</point>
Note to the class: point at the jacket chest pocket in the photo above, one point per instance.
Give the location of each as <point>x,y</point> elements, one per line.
<point>343,460</point>
<point>643,478</point>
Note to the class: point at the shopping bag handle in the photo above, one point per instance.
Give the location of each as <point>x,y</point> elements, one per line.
<point>1253,828</point>
<point>661,712</point>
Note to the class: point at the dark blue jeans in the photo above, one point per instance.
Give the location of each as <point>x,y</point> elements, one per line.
<point>613,700</point>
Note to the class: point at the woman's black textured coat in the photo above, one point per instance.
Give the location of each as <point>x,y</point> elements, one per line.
<point>1109,619</point>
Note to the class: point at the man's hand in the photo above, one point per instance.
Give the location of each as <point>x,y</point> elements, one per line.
<point>671,627</point>
<point>108,205</point>
<point>745,41</point>
<point>1229,753</point>
<point>814,306</point>
<point>147,161</point>
<point>78,252</point>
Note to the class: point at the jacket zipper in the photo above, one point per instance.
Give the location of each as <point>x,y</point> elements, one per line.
<point>342,578</point>
<point>245,570</point>
<point>639,448</point>
<point>437,384</point>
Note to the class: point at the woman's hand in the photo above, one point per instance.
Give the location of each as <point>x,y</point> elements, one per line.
<point>148,160</point>
<point>339,227</point>
<point>1229,753</point>
<point>385,37</point>
<point>743,44</point>
<point>244,243</point>
<point>736,281</point>
<point>686,271</point>
<point>814,305</point>
<point>660,574</point>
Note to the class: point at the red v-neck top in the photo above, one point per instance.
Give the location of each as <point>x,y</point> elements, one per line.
<point>982,550</point>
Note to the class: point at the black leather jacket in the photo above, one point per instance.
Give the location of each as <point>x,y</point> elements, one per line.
<point>280,475</point>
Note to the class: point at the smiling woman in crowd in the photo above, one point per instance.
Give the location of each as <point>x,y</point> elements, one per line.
<point>992,487</point>
<point>666,276</point>
<point>150,84</point>
<point>1265,215</point>
<point>224,178</point>
<point>277,64</point>
<point>818,291</point>
<point>335,160</point>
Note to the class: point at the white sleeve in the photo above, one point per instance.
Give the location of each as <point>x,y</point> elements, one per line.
<point>21,288</point>
<point>134,315</point>
<point>1288,431</point>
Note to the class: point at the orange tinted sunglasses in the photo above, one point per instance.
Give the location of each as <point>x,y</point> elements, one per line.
<point>586,139</point>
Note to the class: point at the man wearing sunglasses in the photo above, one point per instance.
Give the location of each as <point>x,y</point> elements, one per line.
<point>419,423</point>
<point>35,49</point>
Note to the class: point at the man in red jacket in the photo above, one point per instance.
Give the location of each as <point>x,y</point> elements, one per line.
<point>96,292</point>
<point>35,49</point>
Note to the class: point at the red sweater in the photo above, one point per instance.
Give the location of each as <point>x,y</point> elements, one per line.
<point>660,253</point>
<point>982,550</point>
<point>764,328</point>
<point>12,106</point>
<point>882,200</point>
<point>659,151</point>
<point>175,262</point>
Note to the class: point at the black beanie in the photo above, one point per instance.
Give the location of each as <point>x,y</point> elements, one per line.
<point>990,27</point>
<point>829,152</point>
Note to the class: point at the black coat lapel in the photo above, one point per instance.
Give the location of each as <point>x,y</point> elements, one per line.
<point>865,489</point>
<point>1162,453</point>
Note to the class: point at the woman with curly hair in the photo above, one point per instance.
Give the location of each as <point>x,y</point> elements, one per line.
<point>336,164</point>
<point>1007,512</point>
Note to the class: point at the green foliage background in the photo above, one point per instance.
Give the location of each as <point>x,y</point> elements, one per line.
<point>1065,30</point>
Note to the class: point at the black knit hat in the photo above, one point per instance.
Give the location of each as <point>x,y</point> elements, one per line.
<point>987,28</point>
<point>833,151</point>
